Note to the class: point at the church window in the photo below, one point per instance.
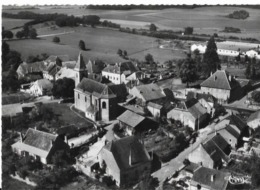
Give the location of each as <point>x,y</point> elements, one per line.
<point>78,96</point>
<point>104,105</point>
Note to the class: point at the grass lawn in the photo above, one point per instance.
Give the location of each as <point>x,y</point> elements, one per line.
<point>9,183</point>
<point>67,116</point>
<point>9,23</point>
<point>103,44</point>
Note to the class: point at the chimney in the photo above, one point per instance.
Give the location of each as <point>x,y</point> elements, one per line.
<point>212,177</point>
<point>21,137</point>
<point>66,139</point>
<point>35,128</point>
<point>230,77</point>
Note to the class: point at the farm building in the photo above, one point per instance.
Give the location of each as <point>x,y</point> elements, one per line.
<point>126,160</point>
<point>254,120</point>
<point>40,87</point>
<point>40,145</point>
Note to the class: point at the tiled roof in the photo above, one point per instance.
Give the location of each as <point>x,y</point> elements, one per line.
<point>39,139</point>
<point>80,65</point>
<point>150,91</point>
<point>203,177</point>
<point>94,87</point>
<point>66,72</point>
<point>131,118</point>
<point>126,148</point>
<point>237,121</point>
<point>207,97</point>
<point>254,116</point>
<point>53,58</point>
<point>220,80</point>
<point>26,68</point>
<point>154,105</point>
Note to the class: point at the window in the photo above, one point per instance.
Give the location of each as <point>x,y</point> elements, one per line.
<point>78,96</point>
<point>104,105</point>
<point>85,99</point>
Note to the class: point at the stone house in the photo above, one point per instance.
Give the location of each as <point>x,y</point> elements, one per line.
<point>40,145</point>
<point>134,123</point>
<point>155,109</point>
<point>40,87</point>
<point>126,160</point>
<point>223,86</point>
<point>213,153</point>
<point>254,120</point>
<point>190,113</point>
<point>118,73</point>
<point>209,179</point>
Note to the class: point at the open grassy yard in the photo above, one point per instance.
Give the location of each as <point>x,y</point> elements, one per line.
<point>103,44</point>
<point>206,20</point>
<point>9,23</point>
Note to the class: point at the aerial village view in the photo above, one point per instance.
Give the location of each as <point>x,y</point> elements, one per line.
<point>130,96</point>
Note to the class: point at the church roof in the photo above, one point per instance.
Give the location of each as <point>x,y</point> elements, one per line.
<point>80,65</point>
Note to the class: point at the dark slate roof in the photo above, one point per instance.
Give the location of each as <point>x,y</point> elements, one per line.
<point>130,118</point>
<point>150,91</point>
<point>237,121</point>
<point>203,176</point>
<point>192,167</point>
<point>125,148</point>
<point>207,97</point>
<point>220,80</point>
<point>121,67</point>
<point>120,90</point>
<point>39,139</point>
<point>253,116</point>
<point>96,88</point>
<point>216,147</point>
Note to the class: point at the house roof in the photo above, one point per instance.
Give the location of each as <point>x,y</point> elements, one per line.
<point>254,116</point>
<point>207,97</point>
<point>39,139</point>
<point>66,72</point>
<point>121,67</point>
<point>125,149</point>
<point>53,58</point>
<point>220,80</point>
<point>150,91</point>
<point>131,118</point>
<point>94,87</point>
<point>154,105</point>
<point>12,109</point>
<point>216,147</point>
<point>44,84</point>
<point>25,68</point>
<point>203,177</point>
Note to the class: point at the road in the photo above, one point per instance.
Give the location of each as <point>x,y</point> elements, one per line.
<point>177,163</point>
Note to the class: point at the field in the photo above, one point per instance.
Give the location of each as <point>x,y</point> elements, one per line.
<point>9,23</point>
<point>206,20</point>
<point>103,44</point>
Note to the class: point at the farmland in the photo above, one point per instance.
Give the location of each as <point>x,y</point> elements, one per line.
<point>205,20</point>
<point>103,44</point>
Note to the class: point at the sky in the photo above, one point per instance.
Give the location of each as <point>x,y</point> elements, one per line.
<point>83,2</point>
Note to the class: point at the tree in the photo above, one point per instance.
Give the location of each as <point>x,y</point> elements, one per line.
<point>188,30</point>
<point>56,39</point>
<point>210,58</point>
<point>91,20</point>
<point>119,52</point>
<point>9,34</point>
<point>188,71</point>
<point>19,34</point>
<point>149,58</point>
<point>32,33</point>
<point>153,27</point>
<point>26,31</point>
<point>256,96</point>
<point>64,88</point>
<point>82,45</point>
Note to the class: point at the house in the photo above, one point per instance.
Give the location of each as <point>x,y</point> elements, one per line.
<point>209,179</point>
<point>134,123</point>
<point>65,72</point>
<point>126,160</point>
<point>26,69</point>
<point>222,86</point>
<point>118,73</point>
<point>213,153</point>
<point>40,87</point>
<point>254,120</point>
<point>252,53</point>
<point>190,113</point>
<point>155,109</point>
<point>98,101</point>
<point>232,129</point>
<point>147,92</point>
<point>39,144</point>
<point>95,68</point>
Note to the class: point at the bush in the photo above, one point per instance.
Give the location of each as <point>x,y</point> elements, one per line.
<point>231,30</point>
<point>82,45</point>
<point>56,39</point>
<point>242,14</point>
<point>256,96</point>
<point>188,30</point>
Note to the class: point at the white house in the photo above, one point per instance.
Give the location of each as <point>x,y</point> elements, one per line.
<point>40,87</point>
<point>252,53</point>
<point>254,120</point>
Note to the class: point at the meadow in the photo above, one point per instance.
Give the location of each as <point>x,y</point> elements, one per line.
<point>102,44</point>
<point>9,23</point>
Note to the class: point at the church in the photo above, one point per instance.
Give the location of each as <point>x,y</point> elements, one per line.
<point>97,100</point>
